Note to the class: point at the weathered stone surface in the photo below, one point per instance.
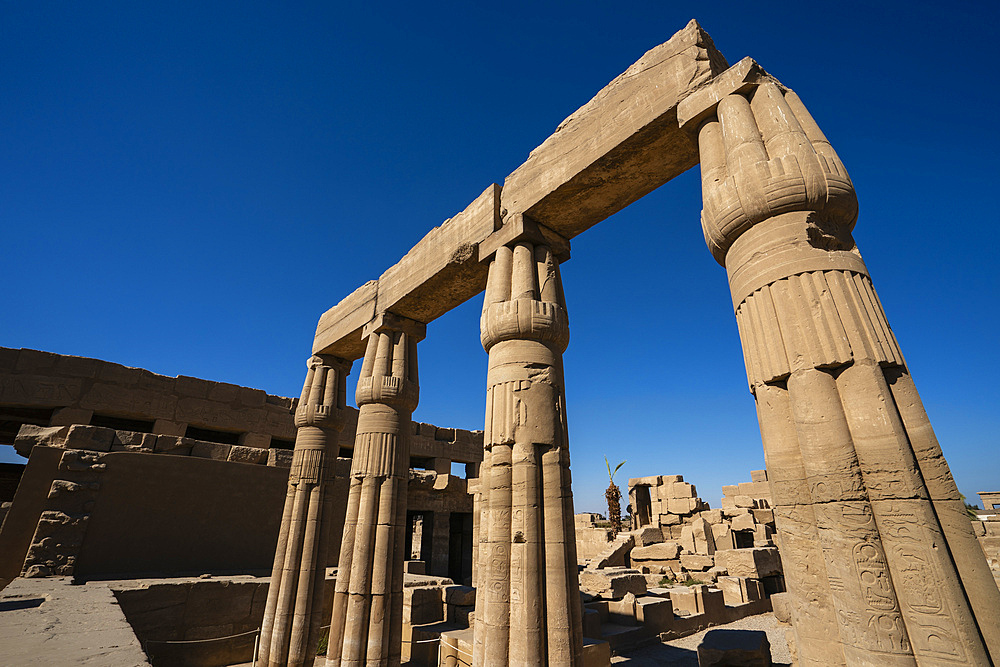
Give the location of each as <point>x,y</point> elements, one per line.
<point>697,562</point>
<point>439,273</point>
<point>648,535</point>
<point>737,648</point>
<point>612,583</point>
<point>620,145</point>
<point>52,622</point>
<point>754,563</point>
<point>661,551</point>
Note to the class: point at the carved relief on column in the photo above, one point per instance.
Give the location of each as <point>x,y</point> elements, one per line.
<point>367,623</point>
<point>293,612</point>
<point>528,611</point>
<point>828,374</point>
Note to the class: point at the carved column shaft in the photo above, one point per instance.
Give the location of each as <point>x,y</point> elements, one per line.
<point>855,470</point>
<point>367,623</point>
<point>528,609</point>
<point>293,611</point>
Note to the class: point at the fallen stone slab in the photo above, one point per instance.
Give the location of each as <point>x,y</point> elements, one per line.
<point>734,648</point>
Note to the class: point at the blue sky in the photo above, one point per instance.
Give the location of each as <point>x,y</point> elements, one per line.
<point>186,187</point>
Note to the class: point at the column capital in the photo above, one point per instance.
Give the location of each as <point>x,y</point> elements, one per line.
<point>385,322</point>
<point>702,104</point>
<point>517,227</point>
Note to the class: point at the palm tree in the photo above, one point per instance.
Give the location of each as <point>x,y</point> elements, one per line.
<point>614,497</point>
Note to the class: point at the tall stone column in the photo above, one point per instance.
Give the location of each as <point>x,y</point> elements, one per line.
<point>367,623</point>
<point>528,609</point>
<point>293,613</point>
<point>882,565</point>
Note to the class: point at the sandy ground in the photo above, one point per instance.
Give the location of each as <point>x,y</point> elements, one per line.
<point>683,652</point>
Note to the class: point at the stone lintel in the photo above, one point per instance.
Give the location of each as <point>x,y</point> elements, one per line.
<point>519,227</point>
<point>339,330</point>
<point>701,104</point>
<point>440,272</point>
<point>391,322</point>
<point>619,146</point>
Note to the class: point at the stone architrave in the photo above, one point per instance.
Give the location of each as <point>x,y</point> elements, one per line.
<point>882,570</point>
<point>528,611</point>
<point>293,611</point>
<point>367,623</point>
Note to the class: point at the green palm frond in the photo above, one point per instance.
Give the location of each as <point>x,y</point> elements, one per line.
<point>611,474</point>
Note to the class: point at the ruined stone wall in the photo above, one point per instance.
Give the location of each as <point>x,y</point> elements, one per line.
<point>47,389</point>
<point>85,412</point>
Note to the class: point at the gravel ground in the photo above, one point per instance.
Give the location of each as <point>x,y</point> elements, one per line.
<point>683,652</point>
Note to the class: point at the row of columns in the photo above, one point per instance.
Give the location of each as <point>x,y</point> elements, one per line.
<point>880,560</point>
<point>529,599</point>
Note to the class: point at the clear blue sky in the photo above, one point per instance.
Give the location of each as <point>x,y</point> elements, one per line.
<point>186,187</point>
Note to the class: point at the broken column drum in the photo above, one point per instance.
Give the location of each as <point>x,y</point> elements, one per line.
<point>367,623</point>
<point>293,612</point>
<point>879,557</point>
<point>528,609</point>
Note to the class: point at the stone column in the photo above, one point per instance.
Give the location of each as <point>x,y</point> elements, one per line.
<point>367,623</point>
<point>293,613</point>
<point>528,609</point>
<point>881,569</point>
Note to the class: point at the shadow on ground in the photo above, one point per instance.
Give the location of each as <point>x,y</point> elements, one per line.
<point>657,655</point>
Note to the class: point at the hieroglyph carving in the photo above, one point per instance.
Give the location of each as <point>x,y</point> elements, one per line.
<point>367,624</point>
<point>528,611</point>
<point>848,478</point>
<point>293,613</point>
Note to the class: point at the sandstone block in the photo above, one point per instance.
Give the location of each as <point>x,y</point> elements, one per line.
<point>731,490</point>
<point>739,648</point>
<point>682,490</point>
<point>758,475</point>
<point>670,520</point>
<point>743,522</point>
<point>30,435</point>
<point>697,562</point>
<point>657,552</point>
<point>740,590</point>
<point>682,505</point>
<point>781,604</point>
<point>460,595</point>
<point>711,516</point>
<point>698,599</point>
<point>646,536</point>
<point>655,613</point>
<point>211,450</point>
<point>612,583</point>
<point>701,533</point>
<point>93,438</point>
<point>414,567</point>
<point>241,454</point>
<point>132,441</point>
<point>591,623</point>
<point>423,604</point>
<point>755,563</point>
<point>743,501</point>
<point>763,515</point>
<point>67,416</point>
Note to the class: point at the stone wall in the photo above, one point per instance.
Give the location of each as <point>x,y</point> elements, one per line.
<point>96,504</point>
<point>46,389</point>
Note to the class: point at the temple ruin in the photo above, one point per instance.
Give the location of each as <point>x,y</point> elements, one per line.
<point>856,529</point>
